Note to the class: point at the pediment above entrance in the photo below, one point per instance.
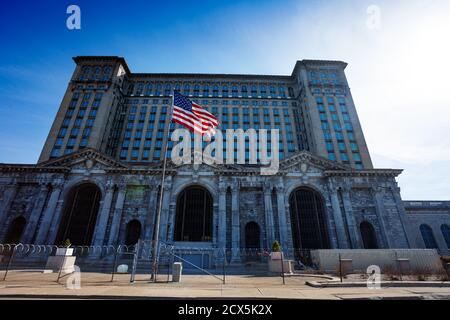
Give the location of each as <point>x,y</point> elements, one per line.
<point>306,163</point>
<point>85,160</point>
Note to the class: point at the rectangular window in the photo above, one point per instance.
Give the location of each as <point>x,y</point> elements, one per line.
<point>123,154</point>
<point>62,132</point>
<point>134,154</point>
<point>356,157</point>
<point>350,136</point>
<point>330,146</point>
<point>74,131</point>
<point>55,152</point>
<point>125,143</point>
<point>71,142</point>
<point>86,132</point>
<point>83,142</point>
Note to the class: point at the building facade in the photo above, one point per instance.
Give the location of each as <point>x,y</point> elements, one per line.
<point>98,178</point>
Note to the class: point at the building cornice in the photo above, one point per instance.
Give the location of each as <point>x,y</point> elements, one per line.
<point>30,168</point>
<point>363,173</point>
<point>265,77</point>
<point>121,60</point>
<point>237,77</point>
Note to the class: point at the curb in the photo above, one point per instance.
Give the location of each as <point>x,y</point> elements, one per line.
<point>386,284</point>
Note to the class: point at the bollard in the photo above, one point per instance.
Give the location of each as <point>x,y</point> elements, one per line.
<point>176,271</point>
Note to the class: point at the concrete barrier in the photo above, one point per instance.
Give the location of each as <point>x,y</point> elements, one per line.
<point>417,259</point>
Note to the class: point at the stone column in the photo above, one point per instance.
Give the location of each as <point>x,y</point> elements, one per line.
<point>281,205</point>
<point>30,228</point>
<point>338,221</point>
<point>268,213</point>
<point>49,215</point>
<point>235,225</point>
<point>377,194</point>
<point>355,238</point>
<point>222,232</point>
<point>151,210</point>
<point>51,238</point>
<point>165,212</point>
<point>402,214</point>
<point>102,220</point>
<point>9,194</point>
<point>170,227</point>
<point>117,215</point>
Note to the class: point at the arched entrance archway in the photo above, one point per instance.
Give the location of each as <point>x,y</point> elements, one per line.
<point>194,215</point>
<point>80,214</point>
<point>15,230</point>
<point>252,234</point>
<point>252,242</point>
<point>308,219</point>
<point>133,232</point>
<point>368,235</point>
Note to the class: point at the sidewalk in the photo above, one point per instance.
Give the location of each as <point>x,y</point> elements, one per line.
<point>97,285</point>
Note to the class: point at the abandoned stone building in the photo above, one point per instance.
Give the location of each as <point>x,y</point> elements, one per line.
<point>98,178</point>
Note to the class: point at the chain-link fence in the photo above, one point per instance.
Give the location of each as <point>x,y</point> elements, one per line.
<point>135,262</point>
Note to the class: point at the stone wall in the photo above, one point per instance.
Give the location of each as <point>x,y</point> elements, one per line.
<point>435,214</point>
<point>239,196</point>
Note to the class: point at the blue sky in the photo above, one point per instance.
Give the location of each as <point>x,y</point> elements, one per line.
<point>398,72</point>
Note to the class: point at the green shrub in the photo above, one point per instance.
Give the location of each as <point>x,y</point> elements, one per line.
<point>276,247</point>
<point>67,243</point>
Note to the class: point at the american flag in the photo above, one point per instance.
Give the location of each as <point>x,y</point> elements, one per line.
<point>193,116</point>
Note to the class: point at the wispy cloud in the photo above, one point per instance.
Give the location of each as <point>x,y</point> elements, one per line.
<point>398,74</point>
<point>398,77</point>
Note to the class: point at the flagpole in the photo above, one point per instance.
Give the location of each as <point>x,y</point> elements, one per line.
<point>155,249</point>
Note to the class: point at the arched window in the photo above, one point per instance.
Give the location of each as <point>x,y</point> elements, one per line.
<point>428,237</point>
<point>368,235</point>
<point>308,219</point>
<point>445,229</point>
<point>15,230</point>
<point>133,232</point>
<point>193,220</point>
<point>80,215</point>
